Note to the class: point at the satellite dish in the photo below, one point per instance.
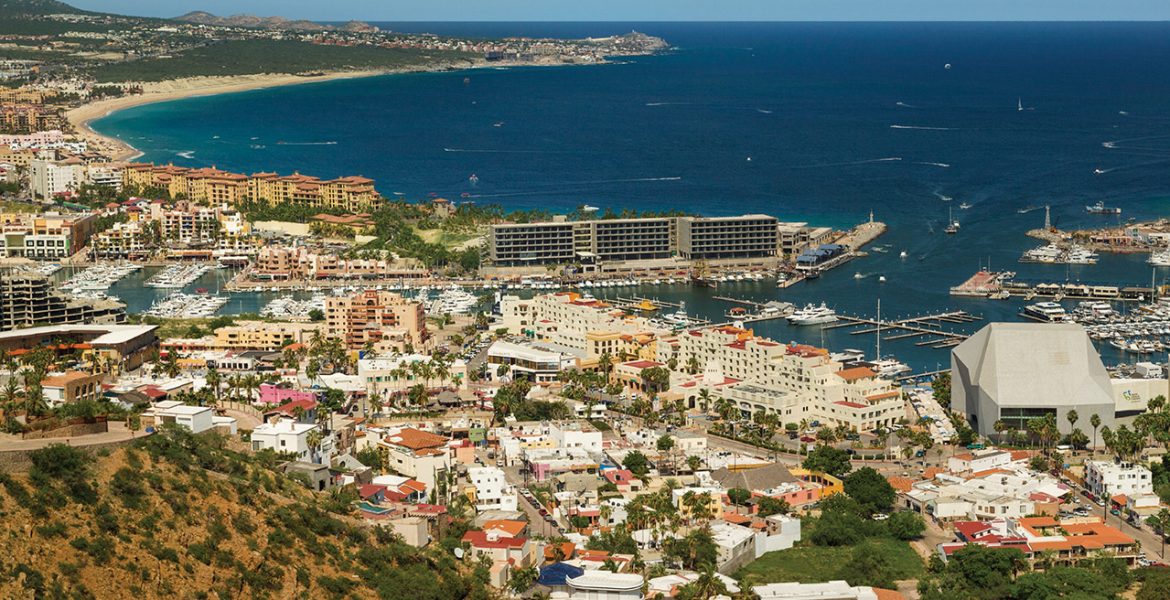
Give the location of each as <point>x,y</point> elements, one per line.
<point>458,553</point>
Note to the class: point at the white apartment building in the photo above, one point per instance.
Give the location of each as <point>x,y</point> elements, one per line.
<point>1014,492</point>
<point>48,178</point>
<point>572,435</point>
<point>492,490</point>
<point>285,435</point>
<point>1107,479</point>
<point>796,382</point>
<point>565,319</point>
<point>527,361</point>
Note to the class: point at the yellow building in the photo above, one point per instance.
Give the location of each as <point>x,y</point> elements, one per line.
<point>351,194</point>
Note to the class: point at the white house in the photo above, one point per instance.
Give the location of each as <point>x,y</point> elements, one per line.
<point>195,418</point>
<point>783,532</point>
<point>571,435</point>
<point>836,590</point>
<point>492,491</point>
<point>1107,479</point>
<point>284,435</point>
<point>604,585</point>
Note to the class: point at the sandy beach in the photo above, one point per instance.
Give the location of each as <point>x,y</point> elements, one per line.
<point>176,89</point>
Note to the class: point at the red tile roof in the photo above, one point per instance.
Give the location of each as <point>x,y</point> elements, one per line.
<point>856,373</point>
<point>479,539</point>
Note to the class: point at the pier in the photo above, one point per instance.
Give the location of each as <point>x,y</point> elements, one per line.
<point>1004,285</point>
<point>926,325</point>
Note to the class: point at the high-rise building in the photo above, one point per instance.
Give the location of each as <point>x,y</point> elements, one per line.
<point>384,319</point>
<point>28,299</point>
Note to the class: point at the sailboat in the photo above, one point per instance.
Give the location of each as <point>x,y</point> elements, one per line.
<point>1020,104</point>
<point>952,225</point>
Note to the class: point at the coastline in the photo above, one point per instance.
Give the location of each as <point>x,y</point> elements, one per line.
<point>81,117</point>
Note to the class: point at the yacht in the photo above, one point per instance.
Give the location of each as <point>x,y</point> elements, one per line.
<point>1079,255</point>
<point>847,356</point>
<point>1160,259</point>
<point>813,315</point>
<point>1045,312</point>
<point>952,225</point>
<point>678,317</point>
<point>889,368</point>
<point>1044,254</point>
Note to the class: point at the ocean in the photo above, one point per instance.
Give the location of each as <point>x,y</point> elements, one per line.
<point>816,122</point>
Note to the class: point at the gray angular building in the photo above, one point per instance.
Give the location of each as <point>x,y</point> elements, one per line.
<point>1019,371</point>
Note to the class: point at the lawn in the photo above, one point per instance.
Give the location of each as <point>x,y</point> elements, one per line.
<point>817,564</point>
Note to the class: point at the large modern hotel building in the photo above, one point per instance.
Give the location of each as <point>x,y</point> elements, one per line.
<point>744,238</point>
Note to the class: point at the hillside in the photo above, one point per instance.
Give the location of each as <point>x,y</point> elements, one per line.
<point>37,7</point>
<point>183,517</point>
<point>246,57</point>
<point>255,22</point>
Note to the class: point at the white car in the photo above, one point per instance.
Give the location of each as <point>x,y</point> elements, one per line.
<point>880,516</point>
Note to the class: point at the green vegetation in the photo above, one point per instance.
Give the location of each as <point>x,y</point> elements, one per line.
<point>184,512</point>
<point>815,564</point>
<point>991,574</point>
<point>246,57</point>
<point>870,489</point>
<point>827,459</point>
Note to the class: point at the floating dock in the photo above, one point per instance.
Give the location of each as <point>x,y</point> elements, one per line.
<point>928,326</point>
<point>1003,285</point>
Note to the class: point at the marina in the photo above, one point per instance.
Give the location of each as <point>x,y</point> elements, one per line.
<point>98,277</point>
<point>186,306</point>
<point>178,276</point>
<point>929,326</point>
<point>292,309</point>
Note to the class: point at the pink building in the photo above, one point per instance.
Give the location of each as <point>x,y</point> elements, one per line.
<point>271,394</point>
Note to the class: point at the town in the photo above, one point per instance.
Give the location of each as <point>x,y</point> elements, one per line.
<point>441,397</point>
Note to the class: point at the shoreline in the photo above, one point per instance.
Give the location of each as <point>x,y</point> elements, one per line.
<point>82,117</point>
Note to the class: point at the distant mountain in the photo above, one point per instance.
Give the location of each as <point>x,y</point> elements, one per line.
<point>255,22</point>
<point>37,7</point>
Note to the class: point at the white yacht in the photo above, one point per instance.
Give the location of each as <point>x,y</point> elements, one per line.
<point>889,368</point>
<point>1046,312</point>
<point>1044,254</point>
<point>1160,259</point>
<point>678,317</point>
<point>813,315</point>
<point>848,355</point>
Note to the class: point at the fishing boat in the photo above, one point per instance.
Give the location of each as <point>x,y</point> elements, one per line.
<point>1100,209</point>
<point>952,225</point>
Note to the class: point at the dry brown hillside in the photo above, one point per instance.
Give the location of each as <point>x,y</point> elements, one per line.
<point>180,516</point>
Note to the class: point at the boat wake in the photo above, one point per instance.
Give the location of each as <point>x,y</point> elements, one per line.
<point>763,111</point>
<point>492,151</point>
<point>922,127</point>
<point>904,105</point>
<point>850,163</point>
<point>934,164</point>
<point>329,143</point>
<point>668,103</point>
<point>1118,144</point>
<point>943,197</point>
<point>186,154</point>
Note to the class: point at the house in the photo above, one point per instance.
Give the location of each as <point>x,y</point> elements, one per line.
<point>505,552</point>
<point>1061,542</point>
<point>506,527</point>
<point>735,544</point>
<point>604,585</point>
<point>284,435</point>
<point>306,408</point>
<point>834,590</point>
<point>623,478</point>
<point>318,477</point>
<point>490,489</point>
<point>69,387</point>
<point>372,493</point>
<point>1110,478</point>
<point>781,533</point>
<point>195,419</point>
<point>417,454</point>
<point>412,530</point>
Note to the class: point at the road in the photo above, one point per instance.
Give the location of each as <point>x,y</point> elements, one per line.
<point>117,433</point>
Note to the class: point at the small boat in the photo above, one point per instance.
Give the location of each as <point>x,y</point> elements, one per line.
<point>881,278</point>
<point>858,276</point>
<point>903,254</point>
<point>952,225</point>
<point>474,179</point>
<point>1100,209</point>
<point>964,206</point>
<point>1019,104</point>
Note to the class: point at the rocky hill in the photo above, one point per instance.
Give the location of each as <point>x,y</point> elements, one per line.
<point>37,7</point>
<point>255,22</point>
<point>180,516</point>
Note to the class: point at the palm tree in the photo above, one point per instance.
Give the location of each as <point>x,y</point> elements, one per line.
<point>708,585</point>
<point>1000,426</point>
<point>1071,416</point>
<point>1095,421</point>
<point>314,440</point>
<point>704,399</point>
<point>214,379</point>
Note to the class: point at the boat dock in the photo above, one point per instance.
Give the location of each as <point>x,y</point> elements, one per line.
<point>1004,285</point>
<point>928,326</point>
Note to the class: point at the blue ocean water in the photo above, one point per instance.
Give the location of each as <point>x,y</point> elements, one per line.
<point>814,122</point>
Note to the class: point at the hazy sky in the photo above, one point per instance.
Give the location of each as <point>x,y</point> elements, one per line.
<point>657,10</point>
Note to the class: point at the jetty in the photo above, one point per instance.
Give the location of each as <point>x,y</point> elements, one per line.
<point>1004,285</point>
<point>926,326</point>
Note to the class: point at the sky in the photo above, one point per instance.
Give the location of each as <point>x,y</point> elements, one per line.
<point>655,10</point>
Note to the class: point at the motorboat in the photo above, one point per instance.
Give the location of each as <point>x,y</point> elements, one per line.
<point>813,315</point>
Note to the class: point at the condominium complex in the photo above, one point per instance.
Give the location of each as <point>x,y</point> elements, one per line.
<point>748,237</point>
<point>589,326</point>
<point>27,118</point>
<point>50,177</point>
<point>795,382</point>
<point>28,299</point>
<point>250,335</point>
<point>107,348</point>
<point>214,186</point>
<point>384,319</point>
<point>279,263</point>
<point>45,236</point>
